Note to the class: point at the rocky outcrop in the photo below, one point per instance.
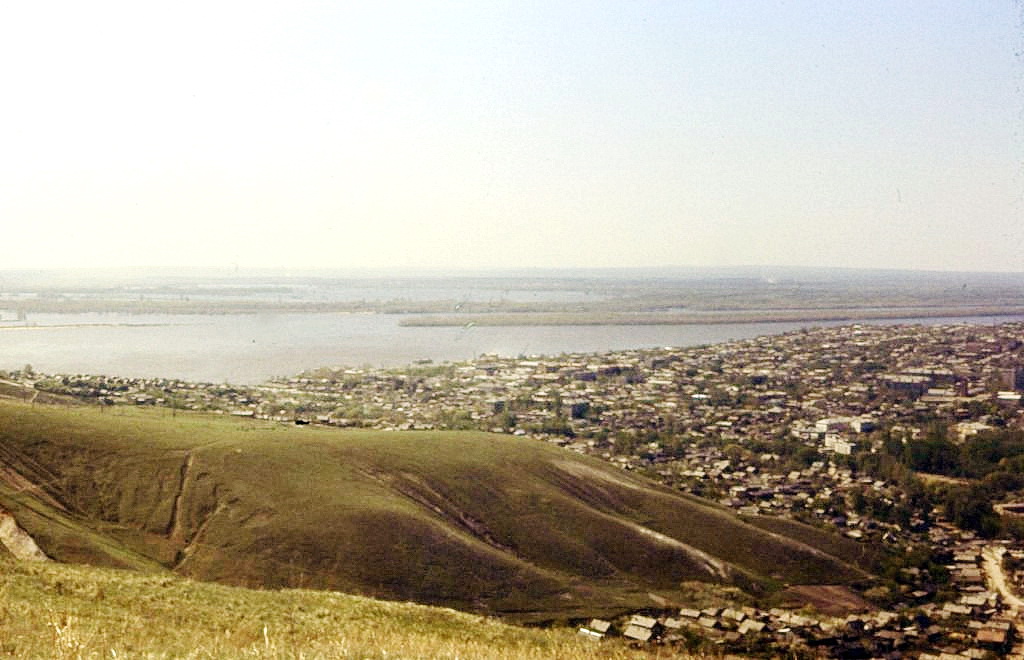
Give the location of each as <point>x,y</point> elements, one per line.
<point>17,540</point>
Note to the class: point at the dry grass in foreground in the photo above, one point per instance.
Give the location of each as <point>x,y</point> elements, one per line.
<point>52,610</point>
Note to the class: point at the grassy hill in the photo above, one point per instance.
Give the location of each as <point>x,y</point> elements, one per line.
<point>479,522</point>
<point>61,611</point>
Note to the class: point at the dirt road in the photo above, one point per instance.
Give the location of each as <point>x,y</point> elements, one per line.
<point>992,562</point>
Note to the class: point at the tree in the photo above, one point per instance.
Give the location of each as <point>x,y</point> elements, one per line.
<point>933,454</point>
<point>971,508</point>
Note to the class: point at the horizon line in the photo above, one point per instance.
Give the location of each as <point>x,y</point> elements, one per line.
<point>455,271</point>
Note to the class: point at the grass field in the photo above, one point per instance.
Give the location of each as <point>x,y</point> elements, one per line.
<point>480,522</point>
<point>61,611</point>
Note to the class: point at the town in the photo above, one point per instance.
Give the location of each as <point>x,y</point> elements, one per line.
<point>901,438</point>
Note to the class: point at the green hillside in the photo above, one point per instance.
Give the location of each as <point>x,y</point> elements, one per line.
<point>479,522</point>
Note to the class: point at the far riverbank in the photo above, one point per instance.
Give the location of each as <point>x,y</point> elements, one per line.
<point>847,315</point>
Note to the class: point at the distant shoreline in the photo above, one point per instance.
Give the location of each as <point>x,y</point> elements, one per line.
<point>703,318</point>
<point>526,318</point>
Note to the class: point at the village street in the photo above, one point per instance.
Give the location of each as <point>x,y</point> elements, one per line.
<point>992,563</point>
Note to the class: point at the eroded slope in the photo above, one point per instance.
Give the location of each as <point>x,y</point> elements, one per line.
<point>475,521</point>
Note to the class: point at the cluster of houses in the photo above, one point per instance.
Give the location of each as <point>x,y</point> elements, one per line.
<point>952,632</point>
<point>976,624</point>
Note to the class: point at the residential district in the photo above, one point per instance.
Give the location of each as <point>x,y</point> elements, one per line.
<point>906,439</point>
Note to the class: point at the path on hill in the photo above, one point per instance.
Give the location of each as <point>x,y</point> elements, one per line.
<point>177,532</point>
<point>185,553</point>
<point>996,578</point>
<point>174,532</point>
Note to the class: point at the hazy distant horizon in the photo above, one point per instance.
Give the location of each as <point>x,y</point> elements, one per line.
<point>613,272</point>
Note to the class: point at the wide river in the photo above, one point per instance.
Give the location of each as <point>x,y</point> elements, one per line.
<point>248,349</point>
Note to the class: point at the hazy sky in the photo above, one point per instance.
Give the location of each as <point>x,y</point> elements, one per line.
<point>440,134</point>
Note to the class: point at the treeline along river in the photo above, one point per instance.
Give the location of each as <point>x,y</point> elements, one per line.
<point>248,349</point>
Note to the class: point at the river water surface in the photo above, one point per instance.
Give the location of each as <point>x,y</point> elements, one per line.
<point>247,349</point>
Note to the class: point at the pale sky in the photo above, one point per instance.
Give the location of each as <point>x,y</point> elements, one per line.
<point>517,134</point>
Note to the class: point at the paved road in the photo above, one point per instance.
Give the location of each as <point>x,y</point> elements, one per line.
<point>992,562</point>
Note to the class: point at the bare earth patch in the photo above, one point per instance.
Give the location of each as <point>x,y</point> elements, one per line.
<point>583,471</point>
<point>831,599</point>
<point>930,479</point>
